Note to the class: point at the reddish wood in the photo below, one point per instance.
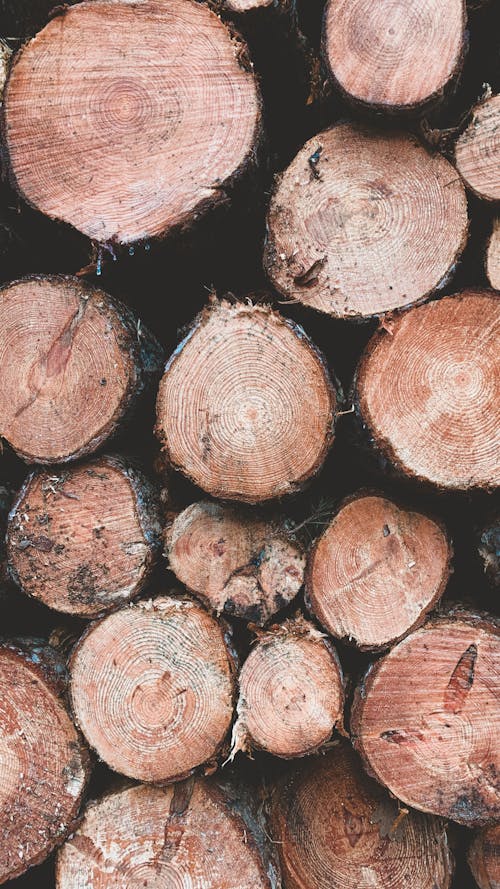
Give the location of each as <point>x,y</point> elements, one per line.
<point>376,571</point>
<point>350,232</point>
<point>175,837</point>
<point>477,152</point>
<point>236,562</point>
<point>394,54</point>
<point>428,390</point>
<point>87,539</point>
<point>43,764</point>
<point>493,256</point>
<point>336,829</point>
<point>152,689</point>
<point>426,718</point>
<point>291,692</point>
<point>484,857</point>
<point>246,405</point>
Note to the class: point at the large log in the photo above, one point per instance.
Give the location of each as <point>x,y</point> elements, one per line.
<point>477,151</point>
<point>146,120</point>
<point>363,222</point>
<point>428,391</point>
<point>246,406</point>
<point>426,718</point>
<point>483,856</point>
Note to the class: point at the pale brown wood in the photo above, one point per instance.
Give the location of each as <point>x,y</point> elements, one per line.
<point>428,390</point>
<point>246,405</point>
<point>493,256</point>
<point>152,689</point>
<point>85,540</point>
<point>336,829</point>
<point>394,54</point>
<point>363,222</point>
<point>241,6</point>
<point>484,857</point>
<point>234,561</point>
<point>376,571</point>
<point>147,117</point>
<point>477,151</point>
<point>426,718</point>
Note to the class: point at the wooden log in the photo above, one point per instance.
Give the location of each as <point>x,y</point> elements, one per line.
<point>237,563</point>
<point>363,222</point>
<point>477,151</point>
<point>334,827</point>
<point>152,689</point>
<point>178,836</point>
<point>426,718</point>
<point>493,256</point>
<point>428,392</point>
<point>396,55</point>
<point>85,540</point>
<point>291,692</point>
<point>376,571</point>
<point>489,549</point>
<point>246,406</point>
<point>81,361</point>
<point>125,144</point>
<point>484,857</point>
<point>44,765</point>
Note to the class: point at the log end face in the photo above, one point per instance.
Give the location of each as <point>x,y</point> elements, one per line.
<point>477,151</point>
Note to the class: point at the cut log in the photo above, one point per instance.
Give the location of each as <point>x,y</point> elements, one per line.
<point>376,571</point>
<point>489,550</point>
<point>85,540</point>
<point>484,857</point>
<point>363,222</point>
<point>428,391</point>
<point>125,144</point>
<point>81,361</point>
<point>477,152</point>
<point>240,6</point>
<point>181,837</point>
<point>43,764</point>
<point>246,406</point>
<point>394,54</point>
<point>152,689</point>
<point>493,256</point>
<point>235,562</point>
<point>426,718</point>
<point>336,829</point>
<point>291,692</point>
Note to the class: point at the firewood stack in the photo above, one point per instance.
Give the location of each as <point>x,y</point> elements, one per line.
<point>250,461</point>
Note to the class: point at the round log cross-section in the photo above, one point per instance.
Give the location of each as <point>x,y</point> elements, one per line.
<point>364,222</point>
<point>477,152</point>
<point>146,118</point>
<point>493,256</point>
<point>246,406</point>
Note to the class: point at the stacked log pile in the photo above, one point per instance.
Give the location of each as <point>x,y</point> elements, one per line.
<point>250,444</point>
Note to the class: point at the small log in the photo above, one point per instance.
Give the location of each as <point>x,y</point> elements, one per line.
<point>376,571</point>
<point>125,144</point>
<point>493,256</point>
<point>152,689</point>
<point>178,836</point>
<point>350,234</point>
<point>394,55</point>
<point>334,827</point>
<point>489,549</point>
<point>291,692</point>
<point>85,540</point>
<point>81,361</point>
<point>477,151</point>
<point>235,562</point>
<point>428,392</point>
<point>44,766</point>
<point>484,857</point>
<point>246,406</point>
<point>426,718</point>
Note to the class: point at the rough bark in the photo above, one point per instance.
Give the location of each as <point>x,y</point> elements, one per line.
<point>477,151</point>
<point>246,406</point>
<point>489,550</point>
<point>291,692</point>
<point>336,829</point>
<point>484,857</point>
<point>117,123</point>
<point>428,392</point>
<point>350,234</point>
<point>152,689</point>
<point>493,256</point>
<point>426,718</point>
<point>85,540</point>
<point>234,561</point>
<point>376,571</point>
<point>43,764</point>
<point>80,362</point>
